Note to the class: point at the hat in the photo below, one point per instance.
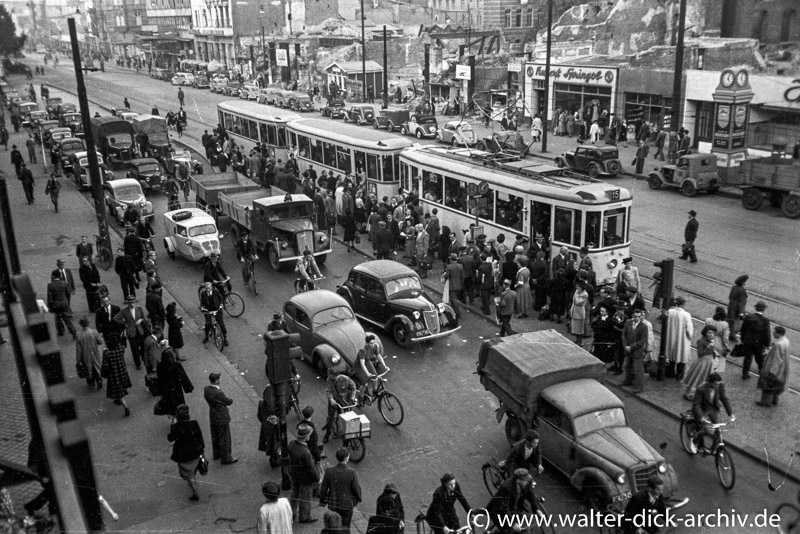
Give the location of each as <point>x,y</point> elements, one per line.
<point>453,257</point>
<point>531,435</point>
<point>680,301</point>
<point>462,247</point>
<point>741,280</point>
<point>539,236</point>
<point>84,321</point>
<point>627,260</point>
<point>276,315</point>
<point>692,213</point>
<point>271,489</point>
<point>59,262</point>
<point>213,255</point>
<point>507,282</point>
<point>760,306</point>
<point>303,431</point>
<point>482,237</point>
<point>130,298</point>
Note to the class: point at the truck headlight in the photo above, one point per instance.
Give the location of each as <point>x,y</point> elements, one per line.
<point>662,468</point>
<point>417,315</point>
<point>284,245</point>
<point>335,359</point>
<point>323,239</point>
<point>621,479</point>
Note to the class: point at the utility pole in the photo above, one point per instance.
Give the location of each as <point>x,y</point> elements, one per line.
<point>91,153</point>
<point>363,56</point>
<point>385,72</point>
<point>677,81</point>
<point>545,126</point>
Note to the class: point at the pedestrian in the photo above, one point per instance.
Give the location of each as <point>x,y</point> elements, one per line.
<point>349,225</point>
<point>679,339</point>
<point>179,126</point>
<point>26,176</point>
<point>269,435</point>
<point>211,304</point>
<point>123,266</point>
<point>104,318</point>
<point>737,305</point>
<point>188,448</point>
<point>151,347</point>
<point>30,144</point>
<point>775,370</point>
<point>180,96</point>
<point>220,419</point>
<point>755,338</point>
<point>313,438</point>
<point>699,370</point>
<point>604,335</point>
<point>87,354</point>
<point>132,318</point>
<point>422,245</point>
<point>340,489</point>
<point>685,144</point>
<point>661,143</point>
<point>634,342</point>
<point>486,283</point>
<point>127,104</point>
<point>115,372</point>
<point>384,242</point>
<point>389,511</point>
<point>579,310</point>
<point>4,136</point>
<point>722,341</point>
<point>175,334</point>
<point>689,236</point>
<point>522,287</point>
<point>58,304</point>
<point>441,515</point>
<point>557,292</point>
<point>275,515</point>
<point>154,304</point>
<point>628,276</point>
<point>65,274</point>
<point>303,475</point>
<point>641,153</point>
<point>505,308</point>
<point>173,382</point>
<point>53,188</point>
<point>155,112</point>
<point>453,278</point>
<point>84,249</point>
<point>17,160</point>
<point>594,132</point>
<point>90,277</point>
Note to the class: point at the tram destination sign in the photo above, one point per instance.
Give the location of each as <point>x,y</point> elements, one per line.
<point>578,75</point>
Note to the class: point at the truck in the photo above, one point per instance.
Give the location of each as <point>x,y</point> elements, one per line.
<point>543,380</point>
<point>155,128</point>
<point>280,225</point>
<point>114,139</point>
<point>208,187</point>
<point>776,178</point>
<point>692,173</point>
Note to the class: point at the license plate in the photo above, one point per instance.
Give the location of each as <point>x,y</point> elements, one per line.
<point>622,496</point>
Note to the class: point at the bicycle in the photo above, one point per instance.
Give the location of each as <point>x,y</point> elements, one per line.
<point>726,471</point>
<point>104,256</point>
<point>493,474</point>
<point>354,442</point>
<point>249,272</point>
<point>422,526</point>
<point>216,330</point>
<point>232,303</point>
<point>301,285</point>
<point>292,399</point>
<point>789,515</point>
<point>389,406</point>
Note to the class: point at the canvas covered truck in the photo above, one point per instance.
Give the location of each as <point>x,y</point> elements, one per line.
<point>154,129</point>
<point>208,187</point>
<point>543,380</point>
<point>775,178</point>
<point>114,139</point>
<point>280,225</point>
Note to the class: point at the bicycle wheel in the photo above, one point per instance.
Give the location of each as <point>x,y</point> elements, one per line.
<point>357,448</point>
<point>219,341</point>
<point>688,430</point>
<point>296,407</point>
<point>391,409</point>
<point>789,516</point>
<point>253,281</point>
<point>492,477</point>
<point>543,529</point>
<point>296,387</point>
<point>233,304</point>
<point>725,468</point>
<point>104,258</point>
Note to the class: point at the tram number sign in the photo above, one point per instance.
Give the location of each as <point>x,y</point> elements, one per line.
<point>472,190</point>
<point>613,194</point>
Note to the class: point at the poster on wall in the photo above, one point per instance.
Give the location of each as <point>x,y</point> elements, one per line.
<point>722,133</point>
<point>281,57</point>
<point>739,126</point>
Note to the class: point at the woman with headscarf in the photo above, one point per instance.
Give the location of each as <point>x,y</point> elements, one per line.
<point>188,447</point>
<point>87,353</point>
<point>737,305</point>
<point>701,367</point>
<point>422,245</point>
<point>579,311</point>
<point>389,511</point>
<point>172,382</point>
<point>721,341</point>
<point>523,300</point>
<point>115,372</point>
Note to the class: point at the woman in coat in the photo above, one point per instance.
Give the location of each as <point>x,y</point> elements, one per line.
<point>605,336</point>
<point>172,382</point>
<point>524,300</point>
<point>422,244</point>
<point>721,341</point>
<point>174,334</point>
<point>115,372</point>
<point>188,446</point>
<point>87,352</point>
<point>349,225</point>
<point>268,436</point>
<point>701,367</point>
<point>557,291</point>
<point>579,312</point>
<point>737,304</point>
<point>775,370</point>
<point>360,213</point>
<point>90,277</point>
<point>389,508</point>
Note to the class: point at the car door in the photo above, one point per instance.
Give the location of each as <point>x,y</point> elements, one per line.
<point>357,296</point>
<point>291,314</point>
<point>556,436</point>
<point>375,300</point>
<point>181,235</point>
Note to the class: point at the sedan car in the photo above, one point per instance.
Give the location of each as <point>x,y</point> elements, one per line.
<point>334,109</point>
<point>390,119</point>
<point>80,170</point>
<point>457,133</point>
<point>301,103</point>
<point>36,118</point>
<point>330,334</point>
<point>182,78</point>
<point>55,135</point>
<point>68,147</point>
<point>160,74</point>
<point>420,126</point>
<point>390,296</point>
<point>147,171</point>
<point>201,82</point>
<point>120,194</point>
<point>190,232</point>
<point>52,107</point>
<point>360,114</point>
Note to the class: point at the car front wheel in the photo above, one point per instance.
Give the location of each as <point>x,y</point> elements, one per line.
<point>401,334</point>
<point>403,130</point>
<point>419,134</point>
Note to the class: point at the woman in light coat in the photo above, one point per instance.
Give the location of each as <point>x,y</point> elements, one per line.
<point>679,338</point>
<point>87,351</point>
<point>422,244</point>
<point>579,314</point>
<point>775,371</point>
<point>702,366</point>
<point>721,341</point>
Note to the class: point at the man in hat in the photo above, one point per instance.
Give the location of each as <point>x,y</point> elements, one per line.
<point>486,282</point>
<point>155,305</point>
<point>220,419</point>
<point>275,515</point>
<point>303,475</point>
<point>646,508</point>
<point>633,300</point>
<point>525,454</point>
<point>634,343</point>
<point>214,272</point>
<point>384,242</point>
<point>755,338</point>
<point>151,348</point>
<point>277,323</point>
<point>679,339</point>
<point>505,308</point>
<point>17,160</point>
<point>454,274</point>
<point>775,375</point>
<point>65,275</point>
<point>123,266</point>
<point>340,489</point>
<point>628,276</point>
<point>434,229</point>
<point>467,260</point>
<point>132,318</point>
<point>559,262</point>
<point>689,236</point>
<point>58,303</point>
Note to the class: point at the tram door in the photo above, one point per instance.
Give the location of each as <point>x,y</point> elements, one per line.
<point>540,224</point>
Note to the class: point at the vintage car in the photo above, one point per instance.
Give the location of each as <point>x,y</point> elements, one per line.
<point>390,296</point>
<point>420,126</point>
<point>301,102</point>
<point>35,118</point>
<point>68,148</point>
<point>119,194</point>
<point>457,133</point>
<point>190,232</point>
<point>544,380</point>
<point>52,106</point>
<point>360,114</point>
<point>330,334</point>
<point>201,82</point>
<point>127,116</point>
<point>64,108</point>
<point>54,135</point>
<point>232,89</point>
<point>692,173</point>
<point>217,84</point>
<point>182,78</point>
<point>147,171</point>
<point>391,119</point>
<point>160,74</point>
<point>44,129</point>
<point>592,160</point>
<point>334,109</point>
<point>80,170</point>
<point>282,97</point>
<point>249,91</point>
<point>25,109</point>
<point>68,120</point>
<point>268,95</point>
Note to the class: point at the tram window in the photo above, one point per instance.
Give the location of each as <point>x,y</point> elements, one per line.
<point>509,211</point>
<point>253,130</point>
<point>614,227</point>
<point>361,161</point>
<point>486,206</point>
<point>237,125</point>
<point>329,154</point>
<point>540,219</point>
<point>305,146</point>
<point>262,132</point>
<point>563,230</point>
<point>593,228</point>
<point>316,150</point>
<point>282,136</point>
<point>388,169</point>
<point>373,172</point>
<point>343,161</point>
<point>396,165</point>
<point>577,228</point>
<point>272,135</point>
<point>228,121</point>
<point>455,194</point>
<point>432,186</point>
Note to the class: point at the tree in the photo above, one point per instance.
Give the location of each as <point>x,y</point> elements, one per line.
<point>10,43</point>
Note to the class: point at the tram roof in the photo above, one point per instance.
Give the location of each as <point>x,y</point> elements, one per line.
<point>256,111</point>
<point>357,136</point>
<point>527,176</point>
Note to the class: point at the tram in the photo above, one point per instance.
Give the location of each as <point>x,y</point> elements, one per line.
<point>249,122</point>
<point>522,197</point>
<point>347,149</point>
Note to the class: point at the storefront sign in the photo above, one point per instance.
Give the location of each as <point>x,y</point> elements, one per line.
<point>463,72</point>
<point>792,94</point>
<point>224,32</point>
<point>515,67</point>
<point>281,57</point>
<point>578,75</point>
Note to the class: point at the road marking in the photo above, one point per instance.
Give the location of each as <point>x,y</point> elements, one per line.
<point>197,109</point>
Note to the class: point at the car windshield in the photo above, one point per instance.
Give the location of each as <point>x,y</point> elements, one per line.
<point>336,105</point>
<point>332,315</point>
<point>292,211</point>
<point>53,101</point>
<point>128,193</point>
<point>84,162</point>
<point>426,120</point>
<point>592,422</point>
<point>203,229</point>
<point>72,146</point>
<point>149,167</point>
<point>402,285</point>
<point>72,117</point>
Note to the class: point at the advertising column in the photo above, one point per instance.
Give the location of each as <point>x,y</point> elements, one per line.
<point>732,99</point>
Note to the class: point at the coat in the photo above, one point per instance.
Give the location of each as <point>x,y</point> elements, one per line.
<point>507,301</point>
<point>737,302</point>
<point>350,227</point>
<point>383,242</point>
<point>702,402</point>
<point>67,277</point>
<point>679,335</point>
<point>218,402</point>
<point>700,368</point>
<point>104,321</point>
<point>690,232</point>
<point>442,510</point>
<point>579,313</point>
<point>58,297</point>
<point>116,373</point>
<point>301,464</point>
<point>87,350</point>
<point>635,337</point>
<point>174,333</point>
<point>189,442</point>
<point>268,433</point>
<point>454,273</point>
<point>516,458</point>
<point>756,330</point>
<point>151,353</point>
<point>340,488</point>
<point>775,370</point>
<point>172,384</point>
<point>422,244</point>
<point>128,318</point>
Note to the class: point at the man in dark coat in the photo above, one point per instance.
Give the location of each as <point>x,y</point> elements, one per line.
<point>505,310</point>
<point>58,303</point>
<point>220,419</point>
<point>634,342</point>
<point>644,507</point>
<point>525,454</point>
<point>26,177</point>
<point>707,403</point>
<point>340,489</point>
<point>104,318</point>
<point>689,236</point>
<point>442,510</point>
<point>755,338</point>
<point>133,248</point>
<point>90,277</point>
<point>16,159</point>
<point>454,273</point>
<point>303,475</point>
<point>65,275</point>
<point>384,242</point>
<point>211,302</point>
<point>132,318</point>
<point>155,305</point>
<point>485,283</point>
<point>123,265</point>
<point>84,249</point>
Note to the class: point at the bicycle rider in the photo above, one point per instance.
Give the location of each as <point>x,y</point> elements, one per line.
<point>307,269</point>
<point>341,391</point>
<point>246,252</point>
<point>145,232</point>
<point>441,515</point>
<point>368,365</point>
<point>215,274</point>
<point>211,304</point>
<point>515,496</point>
<point>525,454</point>
<point>706,408</point>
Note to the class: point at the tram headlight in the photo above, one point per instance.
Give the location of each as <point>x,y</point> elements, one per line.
<point>612,263</point>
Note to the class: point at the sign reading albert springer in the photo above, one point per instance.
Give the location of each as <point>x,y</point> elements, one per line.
<point>281,57</point>
<point>462,72</point>
<point>577,75</point>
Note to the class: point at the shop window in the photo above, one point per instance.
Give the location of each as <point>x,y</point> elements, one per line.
<point>455,194</point>
<point>509,211</point>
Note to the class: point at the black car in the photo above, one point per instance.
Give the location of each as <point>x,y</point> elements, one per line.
<point>334,109</point>
<point>147,171</point>
<point>301,103</point>
<point>63,109</point>
<point>390,119</point>
<point>390,295</point>
<point>68,147</point>
<point>52,107</point>
<point>360,114</point>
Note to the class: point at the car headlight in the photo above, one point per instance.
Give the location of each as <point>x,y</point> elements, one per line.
<point>621,479</point>
<point>284,245</point>
<point>323,239</point>
<point>336,359</point>
<point>417,315</point>
<point>662,468</point>
<point>440,306</point>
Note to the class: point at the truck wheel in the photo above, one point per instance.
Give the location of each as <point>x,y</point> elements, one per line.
<point>688,189</point>
<point>596,497</point>
<point>375,125</point>
<point>235,232</point>
<point>654,181</point>
<point>390,126</point>
<point>790,206</point>
<point>273,257</point>
<point>515,429</point>
<point>752,199</point>
<point>321,259</point>
<point>593,170</point>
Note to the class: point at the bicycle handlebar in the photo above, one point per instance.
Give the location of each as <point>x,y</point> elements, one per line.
<point>347,407</point>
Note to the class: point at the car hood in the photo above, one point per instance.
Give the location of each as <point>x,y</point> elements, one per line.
<point>347,337</point>
<point>620,445</point>
<point>292,225</point>
<point>419,303</point>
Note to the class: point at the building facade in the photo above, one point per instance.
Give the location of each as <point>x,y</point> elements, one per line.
<point>124,19</point>
<point>167,38</point>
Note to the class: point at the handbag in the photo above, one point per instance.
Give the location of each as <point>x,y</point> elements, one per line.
<point>202,465</point>
<point>160,408</point>
<point>544,315</point>
<point>151,383</point>
<point>737,352</point>
<point>82,370</point>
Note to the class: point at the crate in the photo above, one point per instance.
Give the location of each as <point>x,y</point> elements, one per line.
<point>354,425</point>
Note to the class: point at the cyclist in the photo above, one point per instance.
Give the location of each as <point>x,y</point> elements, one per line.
<point>525,454</point>
<point>131,215</point>
<point>369,363</point>
<point>215,274</point>
<point>514,496</point>
<point>341,391</point>
<point>441,515</point>
<point>145,232</point>
<point>211,304</point>
<point>645,507</point>
<point>706,408</point>
<point>246,253</point>
<point>307,269</point>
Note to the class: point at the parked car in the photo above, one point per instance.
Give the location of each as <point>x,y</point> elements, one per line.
<point>301,102</point>
<point>391,119</point>
<point>55,135</point>
<point>420,126</point>
<point>44,130</point>
<point>64,108</point>
<point>128,116</point>
<point>334,109</point>
<point>269,95</point>
<point>201,82</point>
<point>282,97</point>
<point>217,84</point>
<point>190,232</point>
<point>158,74</point>
<point>25,109</point>
<point>36,117</point>
<point>457,133</point>
<point>360,114</point>
<point>232,89</point>
<point>592,160</point>
<point>692,173</point>
<point>69,147</point>
<point>80,170</point>
<point>51,107</point>
<point>249,91</point>
<point>10,95</point>
<point>390,295</point>
<point>147,171</point>
<point>182,78</point>
<point>330,334</point>
<point>119,194</point>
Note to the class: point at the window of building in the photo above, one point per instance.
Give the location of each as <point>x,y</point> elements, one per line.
<point>646,107</point>
<point>507,17</point>
<point>705,121</point>
<point>760,26</point>
<point>529,17</point>
<point>518,17</point>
